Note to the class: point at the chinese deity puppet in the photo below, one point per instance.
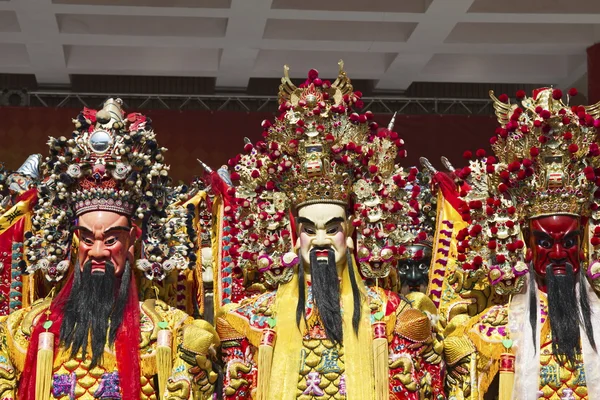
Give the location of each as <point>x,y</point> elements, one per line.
<point>413,266</point>
<point>94,339</point>
<point>20,196</point>
<point>322,171</point>
<point>534,241</point>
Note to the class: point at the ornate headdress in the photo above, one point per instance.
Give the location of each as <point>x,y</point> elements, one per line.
<point>547,152</point>
<point>111,163</point>
<point>319,150</point>
<point>315,151</point>
<point>547,164</point>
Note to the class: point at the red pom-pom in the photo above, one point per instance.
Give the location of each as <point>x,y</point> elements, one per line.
<point>502,188</point>
<point>255,173</point>
<point>500,258</point>
<point>467,155</point>
<point>534,151</point>
<point>503,98</point>
<point>573,148</point>
<point>468,267</point>
<point>557,94</point>
<point>511,210</point>
<point>520,94</point>
<point>595,241</point>
<point>477,261</point>
<point>567,136</point>
<point>573,92</point>
<point>475,204</point>
<point>480,153</point>
<point>270,185</point>
<point>492,244</point>
<point>373,169</point>
<point>545,114</point>
<point>313,74</point>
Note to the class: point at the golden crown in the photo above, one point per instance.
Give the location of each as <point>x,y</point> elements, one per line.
<point>319,150</point>
<point>318,147</point>
<point>547,153</point>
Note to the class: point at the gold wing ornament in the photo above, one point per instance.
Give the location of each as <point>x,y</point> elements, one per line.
<point>502,110</point>
<point>593,110</point>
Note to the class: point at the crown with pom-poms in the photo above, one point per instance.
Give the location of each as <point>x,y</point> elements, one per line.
<point>319,150</point>
<point>545,161</point>
<point>547,153</point>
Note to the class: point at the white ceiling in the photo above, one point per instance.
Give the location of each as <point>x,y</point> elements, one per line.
<point>394,42</point>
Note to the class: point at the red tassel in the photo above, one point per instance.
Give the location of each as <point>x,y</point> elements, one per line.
<point>127,346</point>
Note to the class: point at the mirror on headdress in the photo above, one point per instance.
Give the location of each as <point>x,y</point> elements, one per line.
<point>100,141</point>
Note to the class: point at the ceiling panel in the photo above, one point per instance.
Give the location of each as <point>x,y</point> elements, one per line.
<point>151,3</point>
<point>502,33</point>
<point>339,30</point>
<point>142,60</point>
<point>142,25</point>
<point>13,55</point>
<point>9,21</point>
<point>536,6</point>
<point>405,6</point>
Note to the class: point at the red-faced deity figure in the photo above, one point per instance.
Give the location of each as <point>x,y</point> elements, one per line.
<point>555,242</point>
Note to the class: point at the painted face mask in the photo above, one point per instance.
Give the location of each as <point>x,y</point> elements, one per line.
<point>555,241</point>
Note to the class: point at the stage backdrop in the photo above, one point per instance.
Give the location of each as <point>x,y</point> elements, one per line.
<point>214,137</point>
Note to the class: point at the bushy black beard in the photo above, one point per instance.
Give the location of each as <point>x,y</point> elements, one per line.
<point>94,309</point>
<point>566,314</point>
<point>326,294</point>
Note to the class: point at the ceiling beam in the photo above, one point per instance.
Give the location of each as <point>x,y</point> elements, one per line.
<point>41,37</point>
<point>440,18</point>
<point>245,28</point>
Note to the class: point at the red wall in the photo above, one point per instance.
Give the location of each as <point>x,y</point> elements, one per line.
<point>214,137</point>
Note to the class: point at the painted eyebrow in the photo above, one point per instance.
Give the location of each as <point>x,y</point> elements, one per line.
<point>302,220</point>
<point>540,233</point>
<point>109,230</point>
<point>82,228</point>
<point>117,228</point>
<point>335,220</point>
<point>546,236</point>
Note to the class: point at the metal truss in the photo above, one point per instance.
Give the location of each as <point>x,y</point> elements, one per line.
<point>237,102</point>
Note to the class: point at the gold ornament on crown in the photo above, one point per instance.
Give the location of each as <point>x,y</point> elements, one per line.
<point>316,148</point>
<point>547,153</point>
<point>319,150</point>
